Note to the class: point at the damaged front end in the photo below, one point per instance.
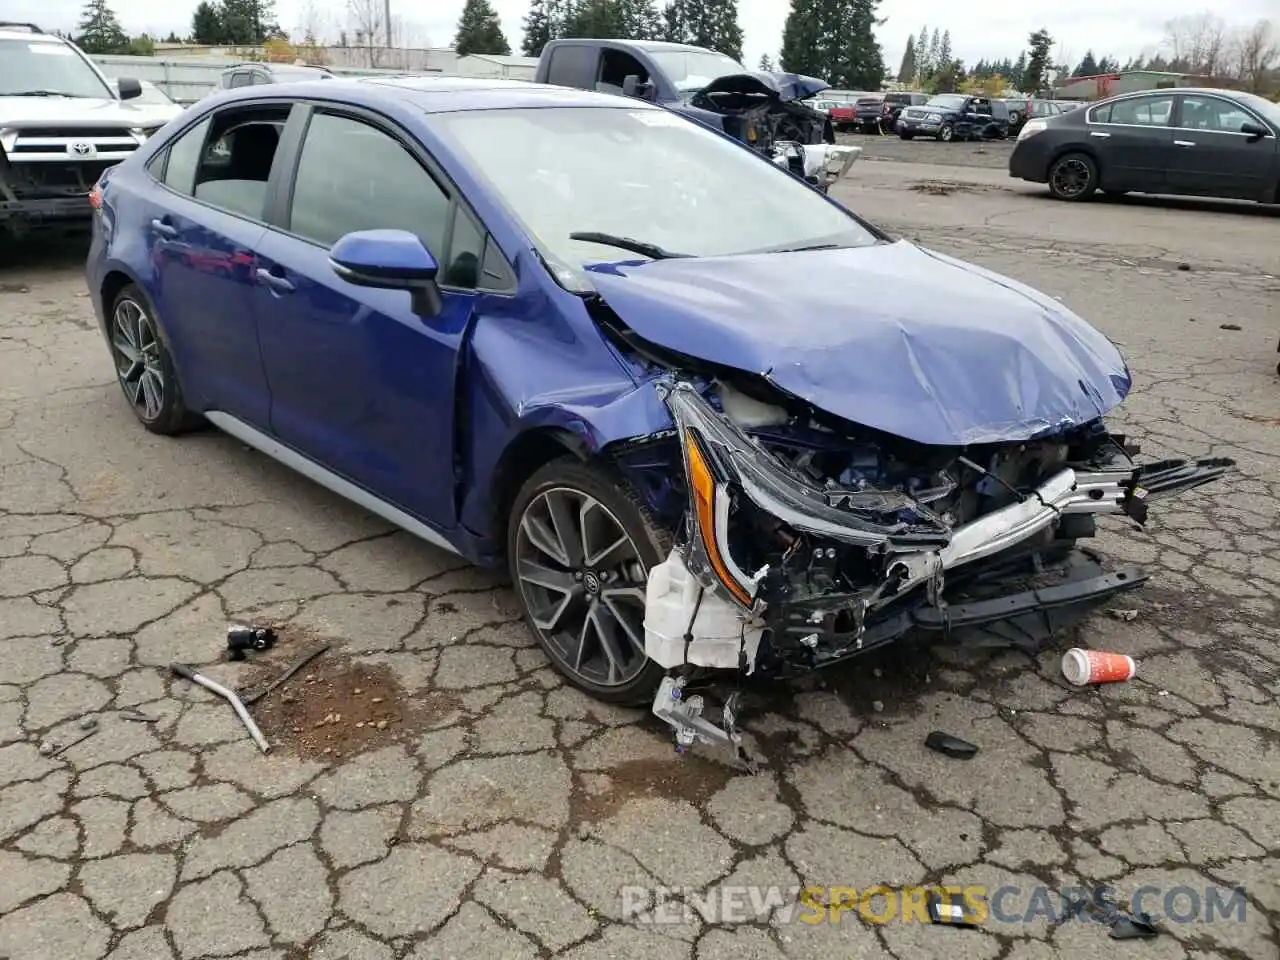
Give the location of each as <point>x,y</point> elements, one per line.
<point>764,111</point>
<point>800,548</point>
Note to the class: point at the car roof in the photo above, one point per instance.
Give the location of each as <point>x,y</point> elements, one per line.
<point>441,94</point>
<point>650,45</point>
<point>9,34</point>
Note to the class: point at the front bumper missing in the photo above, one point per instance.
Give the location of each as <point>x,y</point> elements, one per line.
<point>703,610</point>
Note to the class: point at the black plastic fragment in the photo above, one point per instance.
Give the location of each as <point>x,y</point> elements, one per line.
<point>950,746</point>
<point>1138,926</point>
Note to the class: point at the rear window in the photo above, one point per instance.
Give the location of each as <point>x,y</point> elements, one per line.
<point>866,101</point>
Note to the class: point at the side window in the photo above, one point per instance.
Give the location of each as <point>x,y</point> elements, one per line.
<point>352,176</point>
<point>235,159</point>
<point>1210,113</point>
<point>1142,111</point>
<point>257,76</point>
<point>184,158</point>
<point>1101,114</point>
<point>615,67</point>
<point>573,65</point>
<point>241,78</point>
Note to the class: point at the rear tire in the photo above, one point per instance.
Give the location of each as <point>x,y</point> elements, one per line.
<point>144,367</point>
<point>580,546</point>
<point>1073,177</point>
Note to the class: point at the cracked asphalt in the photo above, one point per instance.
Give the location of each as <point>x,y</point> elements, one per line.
<point>506,816</point>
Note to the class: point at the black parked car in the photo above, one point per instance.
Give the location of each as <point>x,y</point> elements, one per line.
<point>1193,142</point>
<point>956,116</point>
<point>895,103</point>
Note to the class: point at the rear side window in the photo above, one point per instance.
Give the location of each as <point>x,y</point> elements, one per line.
<point>241,78</point>
<point>573,66</point>
<point>184,158</point>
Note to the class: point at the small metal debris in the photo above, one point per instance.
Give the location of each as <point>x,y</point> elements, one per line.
<point>1138,926</point>
<point>1184,266</point>
<point>89,731</point>
<point>289,671</point>
<point>950,746</point>
<point>182,670</point>
<point>137,716</point>
<point>1230,326</point>
<point>1127,615</point>
<point>241,638</point>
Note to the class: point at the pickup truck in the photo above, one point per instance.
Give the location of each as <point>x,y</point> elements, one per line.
<point>764,110</point>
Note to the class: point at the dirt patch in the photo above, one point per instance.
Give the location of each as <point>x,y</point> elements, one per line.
<point>687,777</point>
<point>334,706</point>
<point>943,188</point>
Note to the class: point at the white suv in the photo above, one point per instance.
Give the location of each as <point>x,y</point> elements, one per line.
<point>62,122</point>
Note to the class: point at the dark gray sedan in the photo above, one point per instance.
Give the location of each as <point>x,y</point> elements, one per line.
<point>1192,142</point>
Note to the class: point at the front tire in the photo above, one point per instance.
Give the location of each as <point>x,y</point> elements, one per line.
<point>144,367</point>
<point>946,133</point>
<point>1073,177</point>
<point>580,546</point>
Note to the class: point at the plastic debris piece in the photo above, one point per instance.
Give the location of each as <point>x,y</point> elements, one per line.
<point>950,746</point>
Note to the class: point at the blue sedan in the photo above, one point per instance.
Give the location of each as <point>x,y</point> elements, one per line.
<point>579,335</point>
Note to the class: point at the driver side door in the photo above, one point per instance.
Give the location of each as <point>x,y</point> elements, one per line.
<point>360,383</point>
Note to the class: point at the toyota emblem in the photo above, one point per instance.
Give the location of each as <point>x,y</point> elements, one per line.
<point>80,149</point>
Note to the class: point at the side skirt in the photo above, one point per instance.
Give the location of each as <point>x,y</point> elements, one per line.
<point>331,481</point>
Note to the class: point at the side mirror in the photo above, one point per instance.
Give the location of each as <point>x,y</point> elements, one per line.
<point>129,88</point>
<point>389,260</point>
<point>1253,130</point>
<point>633,87</point>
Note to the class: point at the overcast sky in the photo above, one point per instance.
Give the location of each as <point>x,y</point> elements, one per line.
<point>979,30</point>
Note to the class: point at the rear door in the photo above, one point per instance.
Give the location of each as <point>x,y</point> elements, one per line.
<point>1133,138</point>
<point>1213,157</point>
<point>203,240</point>
<point>361,383</point>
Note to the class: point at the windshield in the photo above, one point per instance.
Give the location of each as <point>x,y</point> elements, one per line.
<point>1263,106</point>
<point>948,101</point>
<point>694,69</point>
<point>648,175</point>
<point>28,66</point>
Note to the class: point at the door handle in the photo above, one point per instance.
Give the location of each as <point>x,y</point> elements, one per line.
<point>277,283</point>
<point>1184,143</point>
<point>1099,133</point>
<point>164,229</point>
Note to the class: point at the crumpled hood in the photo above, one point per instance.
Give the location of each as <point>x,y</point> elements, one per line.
<point>891,336</point>
<point>785,86</point>
<point>51,111</point>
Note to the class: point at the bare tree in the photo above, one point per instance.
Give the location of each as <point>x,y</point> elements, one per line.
<point>1197,43</point>
<point>314,25</point>
<point>367,18</point>
<point>1255,51</point>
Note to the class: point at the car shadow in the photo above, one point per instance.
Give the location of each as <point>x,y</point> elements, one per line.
<point>41,250</point>
<point>1195,204</point>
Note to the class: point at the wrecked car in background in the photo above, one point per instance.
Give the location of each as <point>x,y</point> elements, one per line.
<point>607,367</point>
<point>763,109</point>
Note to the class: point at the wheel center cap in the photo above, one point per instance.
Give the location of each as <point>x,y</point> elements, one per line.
<point>591,583</point>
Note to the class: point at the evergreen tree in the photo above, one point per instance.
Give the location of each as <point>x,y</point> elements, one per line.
<point>704,23</point>
<point>921,54</point>
<point>245,22</point>
<point>1019,73</point>
<point>206,25</point>
<point>907,69</point>
<point>99,30</point>
<point>944,61</point>
<point>934,57</point>
<point>640,19</point>
<point>595,18</point>
<point>537,29</point>
<point>802,37</point>
<point>480,30</point>
<point>1088,66</point>
<point>1037,67</point>
<point>766,65</point>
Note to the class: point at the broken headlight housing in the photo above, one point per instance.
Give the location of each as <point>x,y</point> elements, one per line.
<point>747,504</point>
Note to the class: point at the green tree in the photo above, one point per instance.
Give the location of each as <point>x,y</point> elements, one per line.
<point>907,69</point>
<point>538,29</point>
<point>1088,67</point>
<point>244,23</point>
<point>206,24</point>
<point>480,30</point>
<point>934,57</point>
<point>921,59</point>
<point>766,65</point>
<point>944,61</point>
<point>834,40</point>
<point>640,19</point>
<point>704,23</point>
<point>142,46</point>
<point>595,18</point>
<point>99,30</point>
<point>1018,73</point>
<point>1033,76</point>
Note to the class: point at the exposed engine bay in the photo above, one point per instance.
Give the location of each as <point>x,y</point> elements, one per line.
<point>802,540</point>
<point>793,134</point>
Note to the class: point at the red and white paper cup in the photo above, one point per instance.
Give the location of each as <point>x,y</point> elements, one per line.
<point>1085,667</point>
